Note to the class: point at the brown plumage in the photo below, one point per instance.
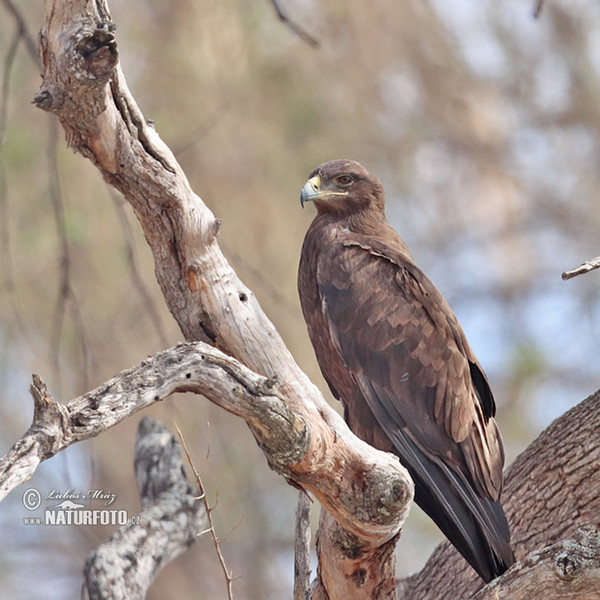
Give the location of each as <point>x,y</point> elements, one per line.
<point>393,352</point>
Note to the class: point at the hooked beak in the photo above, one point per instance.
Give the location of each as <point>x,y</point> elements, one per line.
<point>312,191</point>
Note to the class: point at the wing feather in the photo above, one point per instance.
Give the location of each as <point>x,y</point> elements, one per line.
<point>393,328</point>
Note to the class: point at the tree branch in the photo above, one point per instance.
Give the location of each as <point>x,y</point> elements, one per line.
<point>302,437</point>
<point>299,31</point>
<point>23,29</point>
<point>550,490</point>
<point>172,517</point>
<point>586,267</point>
<point>302,548</point>
<point>299,445</point>
<point>567,570</point>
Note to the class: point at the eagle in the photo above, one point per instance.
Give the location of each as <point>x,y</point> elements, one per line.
<point>394,353</point>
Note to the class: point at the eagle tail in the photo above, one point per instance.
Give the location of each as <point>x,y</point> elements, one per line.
<point>476,526</point>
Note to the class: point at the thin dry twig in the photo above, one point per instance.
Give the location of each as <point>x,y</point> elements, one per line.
<point>66,295</point>
<point>586,267</point>
<point>228,575</point>
<point>23,30</point>
<point>8,65</point>
<point>299,31</point>
<point>537,9</point>
<point>293,310</point>
<point>9,281</point>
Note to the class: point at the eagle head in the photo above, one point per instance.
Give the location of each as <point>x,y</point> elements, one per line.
<point>342,186</point>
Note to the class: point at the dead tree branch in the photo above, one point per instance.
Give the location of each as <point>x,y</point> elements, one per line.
<point>22,29</point>
<point>211,526</point>
<point>301,436</point>
<point>171,519</point>
<point>301,446</point>
<point>299,31</point>
<point>567,570</point>
<point>586,267</point>
<point>302,549</point>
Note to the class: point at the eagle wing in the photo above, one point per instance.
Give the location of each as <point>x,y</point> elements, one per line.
<point>409,361</point>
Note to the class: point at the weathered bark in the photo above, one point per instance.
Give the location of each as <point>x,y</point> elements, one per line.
<point>551,490</point>
<point>172,517</point>
<point>302,549</point>
<point>568,570</point>
<point>305,451</point>
<point>346,564</point>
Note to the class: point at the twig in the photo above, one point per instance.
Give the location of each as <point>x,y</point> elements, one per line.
<point>9,282</point>
<point>293,310</point>
<point>228,575</point>
<point>586,267</point>
<point>23,30</point>
<point>66,295</point>
<point>537,9</point>
<point>302,548</point>
<point>299,31</point>
<point>8,65</point>
<point>195,367</point>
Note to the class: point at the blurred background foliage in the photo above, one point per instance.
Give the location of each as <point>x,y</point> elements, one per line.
<point>483,124</point>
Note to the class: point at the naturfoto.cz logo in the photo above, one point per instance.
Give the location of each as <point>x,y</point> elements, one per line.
<point>72,511</point>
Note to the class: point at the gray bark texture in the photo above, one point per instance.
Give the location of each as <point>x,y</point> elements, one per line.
<point>172,517</point>
<point>245,365</point>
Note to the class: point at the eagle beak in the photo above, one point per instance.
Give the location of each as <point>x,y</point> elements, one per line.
<point>311,190</point>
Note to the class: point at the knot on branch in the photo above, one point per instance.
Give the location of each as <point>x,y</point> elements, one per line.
<point>89,57</point>
<point>579,554</point>
<point>379,496</point>
<point>49,417</point>
<point>96,52</point>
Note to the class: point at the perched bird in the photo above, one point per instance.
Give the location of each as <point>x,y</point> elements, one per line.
<point>393,352</point>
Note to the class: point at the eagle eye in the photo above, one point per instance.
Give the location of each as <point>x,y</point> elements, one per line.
<point>344,179</point>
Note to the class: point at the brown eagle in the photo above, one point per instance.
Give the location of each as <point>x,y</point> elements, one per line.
<point>393,352</point>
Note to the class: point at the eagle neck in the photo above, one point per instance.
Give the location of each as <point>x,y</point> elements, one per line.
<point>365,222</point>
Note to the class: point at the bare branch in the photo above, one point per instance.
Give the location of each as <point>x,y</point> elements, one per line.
<point>23,30</point>
<point>66,297</point>
<point>540,508</point>
<point>136,278</point>
<point>211,526</point>
<point>302,548</point>
<point>586,267</point>
<point>8,65</point>
<point>9,282</point>
<point>299,445</point>
<point>172,516</point>
<point>299,31</point>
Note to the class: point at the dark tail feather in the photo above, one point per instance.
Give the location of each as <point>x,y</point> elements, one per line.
<point>475,526</point>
